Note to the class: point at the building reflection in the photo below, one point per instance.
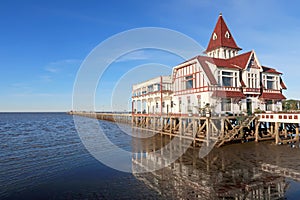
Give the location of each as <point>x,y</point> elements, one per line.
<point>223,174</point>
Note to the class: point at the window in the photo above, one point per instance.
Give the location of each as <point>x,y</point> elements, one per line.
<point>157,88</point>
<point>167,86</point>
<point>252,80</point>
<point>227,35</point>
<point>180,102</point>
<point>189,108</point>
<point>270,82</point>
<point>215,36</point>
<point>226,104</point>
<point>227,79</point>
<point>189,82</point>
<point>269,105</point>
<point>150,88</point>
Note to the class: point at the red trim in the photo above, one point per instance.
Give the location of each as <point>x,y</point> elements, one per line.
<point>272,96</point>
<point>229,94</point>
<point>256,90</point>
<point>270,70</point>
<point>282,84</point>
<point>202,60</point>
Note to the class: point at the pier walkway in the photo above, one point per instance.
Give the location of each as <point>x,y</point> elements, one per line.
<point>217,130</point>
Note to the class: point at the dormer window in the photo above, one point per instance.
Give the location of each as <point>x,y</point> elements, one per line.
<point>227,35</point>
<point>215,36</point>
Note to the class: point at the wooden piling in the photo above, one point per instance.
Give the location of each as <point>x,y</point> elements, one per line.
<point>207,131</point>
<point>277,133</point>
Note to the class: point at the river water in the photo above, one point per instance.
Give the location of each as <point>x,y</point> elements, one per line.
<point>42,157</point>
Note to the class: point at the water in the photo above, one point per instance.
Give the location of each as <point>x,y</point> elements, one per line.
<point>42,157</point>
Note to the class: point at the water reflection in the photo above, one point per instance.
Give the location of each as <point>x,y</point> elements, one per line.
<point>243,171</point>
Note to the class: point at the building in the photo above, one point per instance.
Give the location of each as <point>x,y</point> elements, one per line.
<point>153,96</point>
<point>223,80</point>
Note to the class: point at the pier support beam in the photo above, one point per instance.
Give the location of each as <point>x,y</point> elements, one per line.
<point>297,133</point>
<point>257,131</point>
<point>207,131</point>
<point>277,133</point>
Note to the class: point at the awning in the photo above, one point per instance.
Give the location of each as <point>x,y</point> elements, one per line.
<point>228,94</point>
<point>272,96</point>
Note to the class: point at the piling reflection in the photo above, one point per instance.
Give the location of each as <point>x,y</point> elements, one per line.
<point>231,172</point>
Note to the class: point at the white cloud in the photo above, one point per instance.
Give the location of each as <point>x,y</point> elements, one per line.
<point>58,66</point>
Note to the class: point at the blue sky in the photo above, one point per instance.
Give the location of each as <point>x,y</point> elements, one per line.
<point>43,43</point>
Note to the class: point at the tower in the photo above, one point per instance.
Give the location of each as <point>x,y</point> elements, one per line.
<point>221,43</point>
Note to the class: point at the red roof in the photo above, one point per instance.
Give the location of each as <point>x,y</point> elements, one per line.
<point>221,41</point>
<point>240,60</point>
<point>236,62</point>
<point>282,84</point>
<point>243,83</point>
<point>272,96</point>
<point>202,60</point>
<point>229,94</point>
<point>270,70</point>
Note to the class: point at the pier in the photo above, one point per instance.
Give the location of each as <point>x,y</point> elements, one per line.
<point>192,178</point>
<point>282,128</point>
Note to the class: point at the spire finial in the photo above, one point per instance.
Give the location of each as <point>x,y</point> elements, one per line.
<point>220,14</point>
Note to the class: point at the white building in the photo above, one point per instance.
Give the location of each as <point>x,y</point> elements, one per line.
<point>153,96</point>
<point>224,80</point>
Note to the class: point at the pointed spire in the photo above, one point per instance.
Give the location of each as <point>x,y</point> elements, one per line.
<point>221,37</point>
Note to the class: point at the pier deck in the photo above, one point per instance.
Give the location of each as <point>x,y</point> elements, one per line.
<point>216,130</point>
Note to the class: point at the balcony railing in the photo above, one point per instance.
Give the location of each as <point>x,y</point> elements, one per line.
<point>252,90</point>
<point>224,88</point>
<point>271,91</point>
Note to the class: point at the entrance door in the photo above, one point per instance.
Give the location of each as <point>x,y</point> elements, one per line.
<point>249,106</point>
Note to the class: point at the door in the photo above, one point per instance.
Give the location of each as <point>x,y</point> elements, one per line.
<point>167,108</point>
<point>249,106</point>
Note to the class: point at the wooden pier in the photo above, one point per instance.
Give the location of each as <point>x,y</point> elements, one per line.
<point>282,128</point>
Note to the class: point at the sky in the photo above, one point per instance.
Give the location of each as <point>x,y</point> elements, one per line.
<point>44,43</point>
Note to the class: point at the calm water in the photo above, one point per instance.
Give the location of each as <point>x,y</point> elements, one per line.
<point>42,157</point>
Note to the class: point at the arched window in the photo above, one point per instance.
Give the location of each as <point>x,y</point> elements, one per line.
<point>227,35</point>
<point>215,36</point>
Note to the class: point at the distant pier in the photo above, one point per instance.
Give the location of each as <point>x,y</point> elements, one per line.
<point>282,128</point>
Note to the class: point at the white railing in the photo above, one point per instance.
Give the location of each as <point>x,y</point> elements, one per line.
<point>223,88</point>
<point>279,117</point>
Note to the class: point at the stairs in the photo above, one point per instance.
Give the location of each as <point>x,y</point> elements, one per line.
<point>236,130</point>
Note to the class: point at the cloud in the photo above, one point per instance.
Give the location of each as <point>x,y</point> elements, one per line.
<point>58,66</point>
